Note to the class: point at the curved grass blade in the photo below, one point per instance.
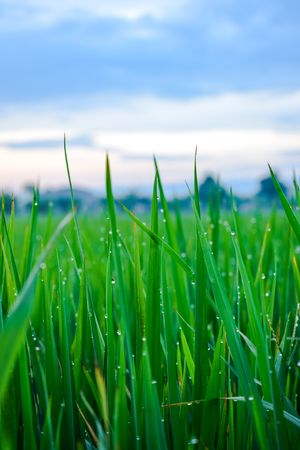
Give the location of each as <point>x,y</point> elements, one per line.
<point>13,333</point>
<point>238,354</point>
<point>180,261</point>
<point>292,218</point>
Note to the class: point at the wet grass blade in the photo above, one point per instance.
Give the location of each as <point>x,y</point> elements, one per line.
<point>201,358</point>
<point>292,218</point>
<point>240,360</point>
<point>158,240</point>
<point>13,333</point>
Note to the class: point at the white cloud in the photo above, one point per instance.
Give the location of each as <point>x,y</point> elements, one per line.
<point>25,13</point>
<point>225,111</point>
<point>236,134</point>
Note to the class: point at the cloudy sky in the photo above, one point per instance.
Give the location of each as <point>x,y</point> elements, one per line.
<point>137,78</point>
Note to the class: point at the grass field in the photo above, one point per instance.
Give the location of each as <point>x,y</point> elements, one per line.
<point>170,331</point>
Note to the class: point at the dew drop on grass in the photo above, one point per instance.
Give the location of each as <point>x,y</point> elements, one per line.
<point>119,332</point>
<point>194,441</point>
<point>263,276</point>
<point>250,398</point>
<point>154,382</point>
<point>113,281</point>
<point>298,363</point>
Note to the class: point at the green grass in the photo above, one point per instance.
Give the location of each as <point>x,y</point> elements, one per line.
<point>167,331</point>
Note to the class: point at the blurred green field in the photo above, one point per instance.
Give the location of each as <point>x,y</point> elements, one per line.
<point>168,331</point>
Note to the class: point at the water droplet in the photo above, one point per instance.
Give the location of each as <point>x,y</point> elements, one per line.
<point>194,441</point>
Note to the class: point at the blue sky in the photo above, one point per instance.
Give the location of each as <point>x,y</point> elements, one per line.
<point>139,77</point>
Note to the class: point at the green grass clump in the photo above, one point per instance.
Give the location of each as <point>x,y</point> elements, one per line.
<point>179,332</point>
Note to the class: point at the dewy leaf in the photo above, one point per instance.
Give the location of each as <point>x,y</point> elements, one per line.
<point>14,329</point>
<point>178,259</point>
<point>287,207</point>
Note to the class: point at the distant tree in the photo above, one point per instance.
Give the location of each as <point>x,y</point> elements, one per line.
<point>210,190</point>
<point>267,191</point>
